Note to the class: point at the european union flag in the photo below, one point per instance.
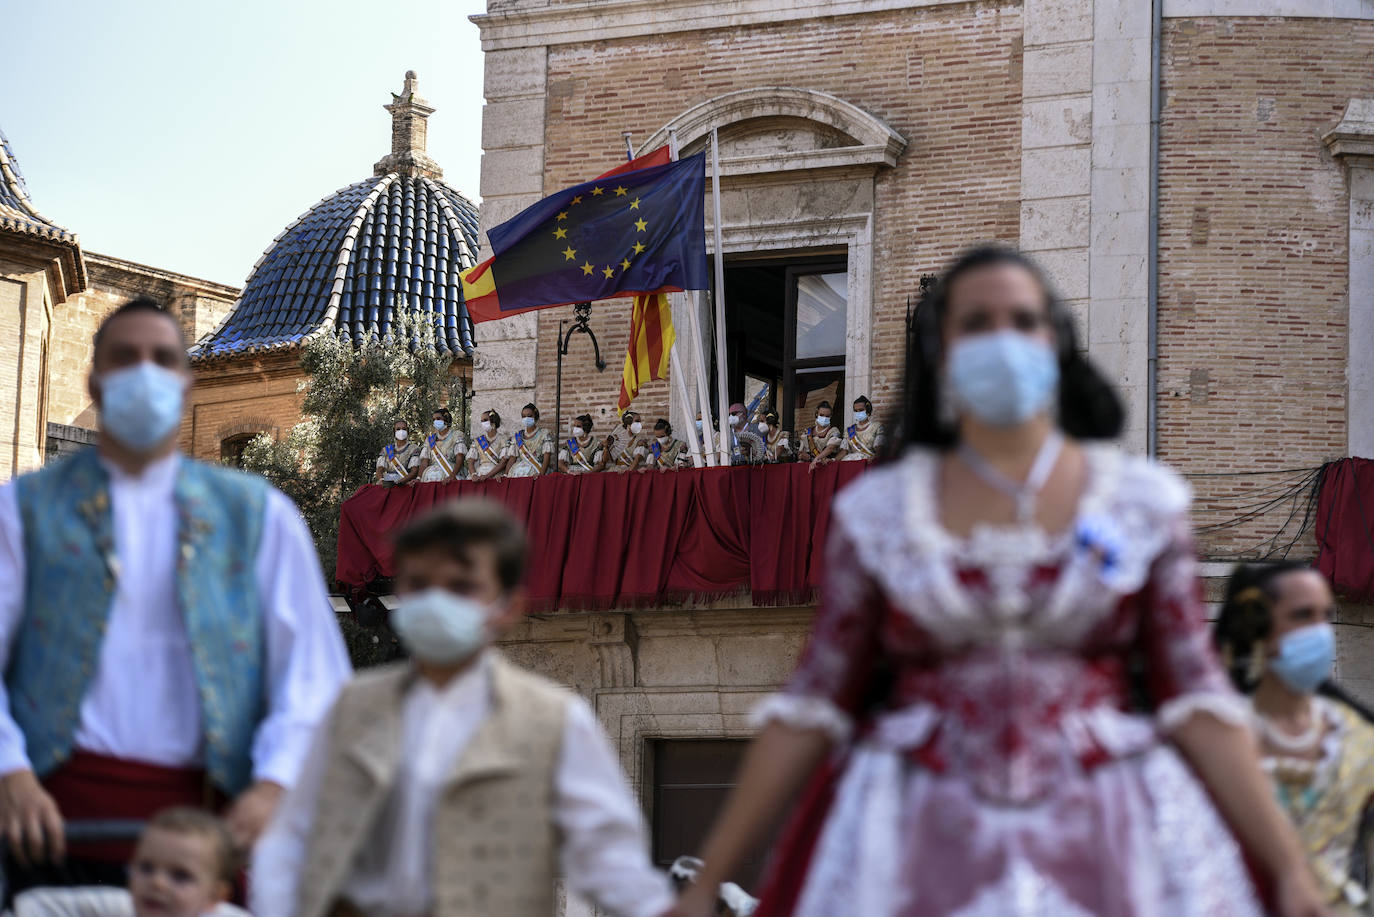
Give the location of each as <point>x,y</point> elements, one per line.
<point>637,232</point>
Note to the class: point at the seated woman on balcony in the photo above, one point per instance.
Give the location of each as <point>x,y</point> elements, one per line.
<point>441,459</point>
<point>620,451</point>
<point>775,439</point>
<point>486,461</point>
<point>579,453</point>
<point>663,453</point>
<point>531,448</point>
<point>864,437</point>
<point>820,443</point>
<point>399,461</point>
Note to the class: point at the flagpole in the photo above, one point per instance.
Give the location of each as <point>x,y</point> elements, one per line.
<point>691,437</point>
<point>698,356</point>
<point>723,391</point>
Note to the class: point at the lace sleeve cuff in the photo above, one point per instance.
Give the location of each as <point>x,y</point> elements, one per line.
<point>1229,708</point>
<point>802,711</point>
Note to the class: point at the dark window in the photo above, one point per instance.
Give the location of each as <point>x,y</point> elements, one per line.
<point>786,320</point>
<point>231,449</point>
<point>691,778</point>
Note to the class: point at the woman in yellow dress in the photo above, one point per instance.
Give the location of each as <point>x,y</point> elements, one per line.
<point>578,454</point>
<point>1275,635</point>
<point>864,437</point>
<point>488,456</point>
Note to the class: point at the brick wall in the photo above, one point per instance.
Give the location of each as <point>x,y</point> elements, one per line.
<point>247,395</point>
<point>947,79</point>
<point>198,305</point>
<point>1253,238</point>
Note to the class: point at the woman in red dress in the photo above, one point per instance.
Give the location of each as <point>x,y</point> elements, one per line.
<point>963,718</point>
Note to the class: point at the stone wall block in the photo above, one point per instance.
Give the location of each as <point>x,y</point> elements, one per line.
<point>1067,270</point>
<point>513,123</point>
<point>1050,22</point>
<point>1058,172</point>
<point>1059,70</point>
<point>1056,223</point>
<point>515,73</point>
<point>1121,60</point>
<point>1118,276</point>
<point>513,171</point>
<point>1057,122</point>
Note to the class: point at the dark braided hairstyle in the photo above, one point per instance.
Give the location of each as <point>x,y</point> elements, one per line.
<point>1088,406</point>
<point>1246,621</point>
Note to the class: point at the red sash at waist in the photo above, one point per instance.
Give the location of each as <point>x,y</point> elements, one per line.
<point>91,786</point>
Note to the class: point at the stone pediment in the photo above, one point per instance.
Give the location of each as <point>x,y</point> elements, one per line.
<point>780,129</point>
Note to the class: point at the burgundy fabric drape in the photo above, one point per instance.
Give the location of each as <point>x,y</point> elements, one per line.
<point>1345,527</point>
<point>621,540</point>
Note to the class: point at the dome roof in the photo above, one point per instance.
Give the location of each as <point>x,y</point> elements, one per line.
<point>18,216</point>
<point>392,243</point>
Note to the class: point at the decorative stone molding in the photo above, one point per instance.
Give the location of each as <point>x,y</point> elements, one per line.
<point>613,638</point>
<point>599,20</point>
<point>873,143</point>
<point>1297,9</point>
<point>1351,142</point>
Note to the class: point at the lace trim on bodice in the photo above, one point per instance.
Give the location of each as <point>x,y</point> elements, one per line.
<point>892,516</point>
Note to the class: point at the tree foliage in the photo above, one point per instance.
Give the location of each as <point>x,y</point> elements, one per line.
<point>353,396</point>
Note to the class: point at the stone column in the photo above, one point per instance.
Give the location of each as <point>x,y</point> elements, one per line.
<point>512,179</point>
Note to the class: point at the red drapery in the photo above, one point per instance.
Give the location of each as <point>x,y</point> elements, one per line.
<point>621,540</point>
<point>1345,527</point>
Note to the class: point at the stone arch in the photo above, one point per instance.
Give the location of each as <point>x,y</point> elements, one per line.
<point>817,130</point>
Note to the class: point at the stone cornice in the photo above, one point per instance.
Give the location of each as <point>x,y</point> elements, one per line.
<point>105,265</point>
<point>1352,139</point>
<point>1292,9</point>
<point>600,20</point>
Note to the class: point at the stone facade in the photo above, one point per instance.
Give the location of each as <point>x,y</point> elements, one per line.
<point>1030,122</point>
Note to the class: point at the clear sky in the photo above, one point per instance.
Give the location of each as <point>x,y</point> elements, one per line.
<point>186,135</point>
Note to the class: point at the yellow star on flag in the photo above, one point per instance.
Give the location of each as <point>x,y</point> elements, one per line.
<point>625,264</point>
<point>641,225</point>
<point>560,233</point>
<point>597,192</point>
<point>569,253</point>
<point>634,204</point>
<point>563,215</point>
<point>609,271</point>
<point>577,200</point>
<point>639,248</point>
<point>587,269</point>
<point>621,190</point>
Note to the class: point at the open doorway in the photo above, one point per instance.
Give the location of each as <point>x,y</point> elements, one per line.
<point>785,321</point>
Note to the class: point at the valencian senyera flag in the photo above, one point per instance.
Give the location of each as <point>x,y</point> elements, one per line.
<point>651,337</point>
<point>633,231</point>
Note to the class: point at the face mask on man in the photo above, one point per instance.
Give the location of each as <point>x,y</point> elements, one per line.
<point>636,427</point>
<point>140,405</point>
<point>822,421</point>
<point>401,435</point>
<point>1305,657</point>
<point>439,627</point>
<point>528,422</point>
<point>439,425</point>
<point>1003,378</point>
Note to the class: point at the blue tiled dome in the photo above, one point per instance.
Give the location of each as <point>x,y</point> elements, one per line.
<point>394,242</point>
<point>19,217</point>
<point>351,262</point>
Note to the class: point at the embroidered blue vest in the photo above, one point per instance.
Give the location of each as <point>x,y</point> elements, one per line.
<point>70,582</point>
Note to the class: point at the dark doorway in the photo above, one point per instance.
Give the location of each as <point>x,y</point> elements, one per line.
<point>785,320</point>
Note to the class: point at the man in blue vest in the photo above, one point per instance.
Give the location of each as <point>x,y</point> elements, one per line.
<point>165,633</point>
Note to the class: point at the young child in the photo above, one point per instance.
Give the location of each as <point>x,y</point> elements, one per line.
<point>456,784</point>
<point>184,866</point>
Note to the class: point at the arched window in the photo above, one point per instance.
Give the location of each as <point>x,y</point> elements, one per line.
<point>231,448</point>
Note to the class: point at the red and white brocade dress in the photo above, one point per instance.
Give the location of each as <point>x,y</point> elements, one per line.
<point>978,689</point>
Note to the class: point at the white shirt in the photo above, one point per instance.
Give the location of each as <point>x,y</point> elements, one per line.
<point>603,853</point>
<point>143,703</point>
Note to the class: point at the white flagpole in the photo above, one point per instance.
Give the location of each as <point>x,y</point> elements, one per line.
<point>698,358</point>
<point>721,356</point>
<point>690,438</point>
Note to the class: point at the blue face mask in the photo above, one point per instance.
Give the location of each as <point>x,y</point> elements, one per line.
<point>860,416</point>
<point>1003,378</point>
<point>440,627</point>
<point>440,425</point>
<point>528,422</point>
<point>1305,657</point>
<point>140,406</point>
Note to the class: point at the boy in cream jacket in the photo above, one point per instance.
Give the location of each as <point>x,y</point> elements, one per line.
<point>456,784</point>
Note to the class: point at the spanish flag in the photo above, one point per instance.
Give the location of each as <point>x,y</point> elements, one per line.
<point>651,338</point>
<point>637,229</point>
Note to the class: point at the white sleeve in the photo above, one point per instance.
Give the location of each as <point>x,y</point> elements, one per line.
<point>13,756</point>
<point>279,855</point>
<point>306,659</point>
<point>605,852</point>
<point>74,902</point>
